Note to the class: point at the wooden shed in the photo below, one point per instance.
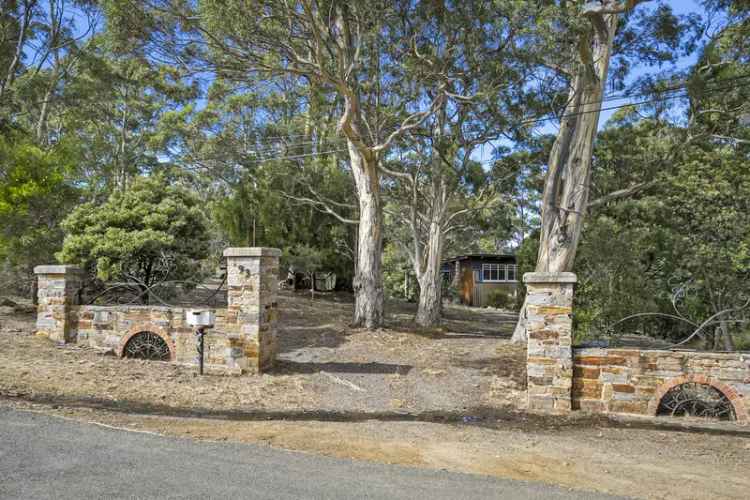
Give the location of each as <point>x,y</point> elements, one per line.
<point>476,275</point>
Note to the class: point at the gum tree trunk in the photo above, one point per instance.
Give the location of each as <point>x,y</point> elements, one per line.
<point>368,275</point>
<point>566,188</point>
<point>430,285</point>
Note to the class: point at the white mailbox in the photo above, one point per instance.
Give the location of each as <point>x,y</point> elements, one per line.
<point>200,317</point>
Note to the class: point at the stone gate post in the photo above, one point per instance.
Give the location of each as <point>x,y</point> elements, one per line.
<point>549,362</point>
<point>57,291</point>
<point>252,283</point>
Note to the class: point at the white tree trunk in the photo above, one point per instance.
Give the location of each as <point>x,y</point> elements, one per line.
<point>566,188</point>
<point>368,274</point>
<point>430,284</point>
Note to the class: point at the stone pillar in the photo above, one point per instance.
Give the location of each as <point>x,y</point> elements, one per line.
<point>549,362</point>
<point>252,283</point>
<point>57,290</point>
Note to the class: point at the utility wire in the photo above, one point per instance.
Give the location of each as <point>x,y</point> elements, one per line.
<point>294,157</point>
<point>279,145</point>
<point>543,119</point>
<point>682,86</point>
<point>609,108</point>
<point>607,98</point>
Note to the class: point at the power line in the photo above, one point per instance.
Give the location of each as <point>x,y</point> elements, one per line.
<point>542,119</point>
<point>606,98</point>
<point>297,144</point>
<point>294,157</point>
<point>614,97</point>
<point>666,98</point>
<point>267,142</point>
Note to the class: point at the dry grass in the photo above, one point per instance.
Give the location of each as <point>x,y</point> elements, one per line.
<point>323,366</point>
<point>447,398</point>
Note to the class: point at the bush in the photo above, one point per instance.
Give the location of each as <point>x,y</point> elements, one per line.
<point>155,230</point>
<point>499,298</point>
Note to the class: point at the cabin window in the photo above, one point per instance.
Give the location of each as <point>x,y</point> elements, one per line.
<point>493,272</point>
<point>498,272</point>
<point>511,272</point>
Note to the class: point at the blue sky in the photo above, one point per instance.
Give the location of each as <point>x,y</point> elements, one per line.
<point>679,7</point>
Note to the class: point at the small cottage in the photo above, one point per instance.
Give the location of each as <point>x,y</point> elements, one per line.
<point>477,277</point>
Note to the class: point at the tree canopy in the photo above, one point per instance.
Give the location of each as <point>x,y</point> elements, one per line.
<point>374,139</point>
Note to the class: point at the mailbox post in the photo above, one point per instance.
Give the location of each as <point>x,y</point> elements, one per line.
<point>202,320</point>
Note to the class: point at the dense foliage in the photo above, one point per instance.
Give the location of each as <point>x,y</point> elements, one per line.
<point>153,231</point>
<point>415,129</point>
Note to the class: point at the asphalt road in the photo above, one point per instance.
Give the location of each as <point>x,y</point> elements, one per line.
<point>49,457</point>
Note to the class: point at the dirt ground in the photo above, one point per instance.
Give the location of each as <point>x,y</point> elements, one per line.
<point>451,398</point>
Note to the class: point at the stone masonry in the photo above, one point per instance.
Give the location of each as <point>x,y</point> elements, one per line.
<point>634,380</point>
<point>549,364</point>
<point>57,292</point>
<point>252,281</point>
<point>596,380</point>
<point>243,338</point>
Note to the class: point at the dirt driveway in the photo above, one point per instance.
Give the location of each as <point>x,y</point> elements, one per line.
<point>451,398</point>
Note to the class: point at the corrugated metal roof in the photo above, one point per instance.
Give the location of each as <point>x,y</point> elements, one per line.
<point>480,256</point>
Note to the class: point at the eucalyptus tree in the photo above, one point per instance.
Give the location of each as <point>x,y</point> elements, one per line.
<point>719,82</point>
<point>677,245</point>
<point>588,38</point>
<point>475,53</point>
<point>113,107</point>
<point>40,43</point>
<point>253,150</point>
<point>334,44</point>
<point>17,20</point>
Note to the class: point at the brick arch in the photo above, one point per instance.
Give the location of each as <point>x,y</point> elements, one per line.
<point>147,327</point>
<point>731,394</point>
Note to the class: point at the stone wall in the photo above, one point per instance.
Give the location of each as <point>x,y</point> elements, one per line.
<point>110,327</point>
<point>243,338</point>
<point>562,378</point>
<point>634,380</point>
<point>58,288</point>
<point>549,363</point>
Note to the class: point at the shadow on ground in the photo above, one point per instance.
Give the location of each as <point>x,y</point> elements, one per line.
<point>286,367</point>
<point>491,418</point>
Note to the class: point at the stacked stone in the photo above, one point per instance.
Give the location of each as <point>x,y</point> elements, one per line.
<point>252,312</point>
<point>549,362</point>
<point>57,293</point>
<point>634,380</point>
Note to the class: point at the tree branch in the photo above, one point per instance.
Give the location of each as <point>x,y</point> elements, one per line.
<point>621,193</point>
<point>320,206</point>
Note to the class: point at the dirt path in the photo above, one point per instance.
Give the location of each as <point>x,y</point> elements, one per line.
<point>467,367</point>
<point>449,399</point>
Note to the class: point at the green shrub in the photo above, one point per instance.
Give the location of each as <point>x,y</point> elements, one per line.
<point>499,298</point>
<point>154,230</point>
<point>742,340</point>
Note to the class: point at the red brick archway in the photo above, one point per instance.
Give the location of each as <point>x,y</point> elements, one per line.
<point>732,395</point>
<point>146,327</point>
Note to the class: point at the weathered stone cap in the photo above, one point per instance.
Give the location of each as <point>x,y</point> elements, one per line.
<point>252,252</point>
<point>57,269</point>
<point>549,278</point>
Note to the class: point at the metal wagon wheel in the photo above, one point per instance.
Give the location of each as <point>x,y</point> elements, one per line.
<point>147,345</point>
<point>696,400</point>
